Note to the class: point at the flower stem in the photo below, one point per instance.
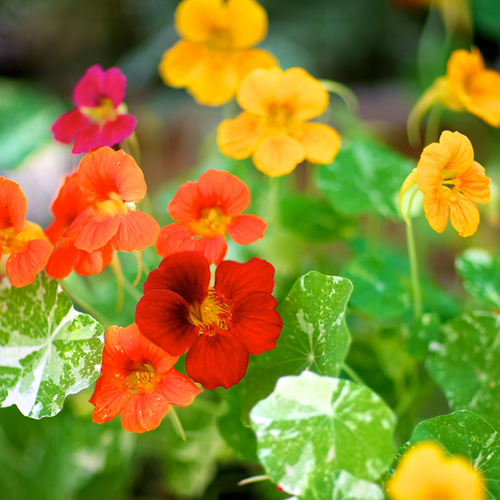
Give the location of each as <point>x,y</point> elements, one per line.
<point>177,422</point>
<point>432,126</point>
<point>412,254</point>
<point>352,374</point>
<point>253,479</point>
<point>132,145</point>
<point>345,93</point>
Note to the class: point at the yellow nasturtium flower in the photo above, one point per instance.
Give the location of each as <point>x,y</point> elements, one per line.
<point>425,472</point>
<point>215,54</point>
<point>273,127</point>
<point>452,183</point>
<point>468,86</point>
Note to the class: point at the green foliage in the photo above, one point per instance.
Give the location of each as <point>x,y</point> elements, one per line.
<point>47,349</point>
<point>314,336</point>
<point>467,434</point>
<point>365,176</point>
<point>465,363</point>
<point>486,14</point>
<point>311,427</point>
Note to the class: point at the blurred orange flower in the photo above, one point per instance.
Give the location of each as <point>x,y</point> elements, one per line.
<point>426,472</point>
<point>273,127</point>
<point>215,54</point>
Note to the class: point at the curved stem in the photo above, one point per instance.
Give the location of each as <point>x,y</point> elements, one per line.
<point>254,479</point>
<point>177,422</point>
<point>432,127</point>
<point>117,270</point>
<point>412,254</point>
<point>345,93</point>
<point>352,374</point>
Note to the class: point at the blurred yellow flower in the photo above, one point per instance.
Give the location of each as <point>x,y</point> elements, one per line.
<point>452,183</point>
<point>426,472</point>
<point>273,127</point>
<point>215,54</point>
<point>467,86</point>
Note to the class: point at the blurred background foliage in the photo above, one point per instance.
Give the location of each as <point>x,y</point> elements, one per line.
<point>388,52</point>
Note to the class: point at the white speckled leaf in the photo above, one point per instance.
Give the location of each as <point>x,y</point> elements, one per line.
<point>312,427</point>
<point>467,434</point>
<point>314,335</point>
<point>47,349</point>
<point>465,363</point>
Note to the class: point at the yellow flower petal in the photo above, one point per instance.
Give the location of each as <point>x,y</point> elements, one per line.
<point>237,138</point>
<point>464,216</point>
<point>432,161</point>
<point>259,89</point>
<point>484,97</point>
<point>321,142</point>
<point>461,153</point>
<point>436,209</point>
<point>303,93</point>
<point>215,83</point>
<point>199,20</point>
<point>181,64</point>
<point>461,67</point>
<point>278,155</point>
<point>247,22</point>
<point>475,185</point>
<point>245,61</point>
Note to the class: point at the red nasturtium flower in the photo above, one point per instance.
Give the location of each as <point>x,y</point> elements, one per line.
<point>220,325</point>
<point>100,118</point>
<point>24,249</point>
<point>138,380</point>
<point>206,210</point>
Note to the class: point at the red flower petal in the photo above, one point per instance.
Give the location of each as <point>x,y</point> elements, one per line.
<point>255,322</point>
<point>214,249</point>
<point>90,88</point>
<point>185,206</point>
<point>162,317</point>
<point>234,280</point>
<point>221,189</point>
<point>137,231</point>
<point>109,399</point>
<point>63,260</point>
<point>144,412</point>
<point>114,85</point>
<point>178,389</point>
<point>246,229</point>
<point>68,125</point>
<point>186,273</point>
<point>23,266</point>
<point>97,232</point>
<point>175,238</point>
<point>87,138</point>
<point>116,131</point>
<point>13,205</point>
<point>217,360</point>
<point>94,262</point>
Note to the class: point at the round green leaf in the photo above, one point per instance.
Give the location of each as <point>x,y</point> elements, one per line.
<point>365,176</point>
<point>47,349</point>
<point>311,427</point>
<point>314,335</point>
<point>465,362</point>
<point>467,434</point>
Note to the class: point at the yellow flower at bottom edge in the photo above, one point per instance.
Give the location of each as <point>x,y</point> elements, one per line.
<point>215,54</point>
<point>273,127</point>
<point>425,472</point>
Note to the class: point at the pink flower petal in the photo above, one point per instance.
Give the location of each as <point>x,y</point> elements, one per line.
<point>114,132</point>
<point>89,89</point>
<point>114,85</point>
<point>88,138</point>
<point>68,125</point>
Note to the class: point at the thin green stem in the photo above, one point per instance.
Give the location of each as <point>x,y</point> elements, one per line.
<point>272,202</point>
<point>254,479</point>
<point>412,254</point>
<point>132,145</point>
<point>352,374</point>
<point>345,93</point>
<point>131,289</point>
<point>177,422</point>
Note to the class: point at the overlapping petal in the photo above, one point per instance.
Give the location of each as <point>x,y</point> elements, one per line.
<point>247,22</point>
<point>278,155</point>
<point>24,264</point>
<point>13,205</point>
<point>321,142</point>
<point>237,138</point>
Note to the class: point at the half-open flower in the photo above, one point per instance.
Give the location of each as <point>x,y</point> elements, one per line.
<point>220,325</point>
<point>273,128</point>
<point>206,210</point>
<point>100,118</point>
<point>215,54</point>
<point>24,248</point>
<point>138,380</point>
<point>426,472</point>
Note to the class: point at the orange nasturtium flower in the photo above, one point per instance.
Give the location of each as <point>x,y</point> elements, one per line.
<point>452,183</point>
<point>24,248</point>
<point>215,54</point>
<point>425,472</point>
<point>467,86</point>
<point>138,380</point>
<point>273,127</point>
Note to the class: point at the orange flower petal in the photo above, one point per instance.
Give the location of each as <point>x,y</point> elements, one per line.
<point>436,209</point>
<point>237,138</point>
<point>13,205</point>
<point>181,64</point>
<point>23,266</point>
<point>137,231</point>
<point>246,229</point>
<point>247,22</point>
<point>214,249</point>
<point>94,262</point>
<point>484,97</point>
<point>178,389</point>
<point>97,232</point>
<point>197,20</point>
<point>461,67</point>
<point>246,60</point>
<point>259,89</point>
<point>464,216</point>
<point>303,94</point>
<point>475,185</point>
<point>461,153</point>
<point>144,412</point>
<point>321,142</point>
<point>278,155</point>
<point>175,238</point>
<point>432,161</point>
<point>63,260</point>
<point>109,398</point>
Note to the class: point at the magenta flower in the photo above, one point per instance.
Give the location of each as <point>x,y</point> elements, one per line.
<point>98,119</point>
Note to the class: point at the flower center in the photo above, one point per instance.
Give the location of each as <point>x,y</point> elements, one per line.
<point>210,315</point>
<point>279,119</point>
<point>221,41</point>
<point>212,222</point>
<point>100,114</point>
<point>10,243</point>
<point>143,378</point>
<point>114,205</point>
